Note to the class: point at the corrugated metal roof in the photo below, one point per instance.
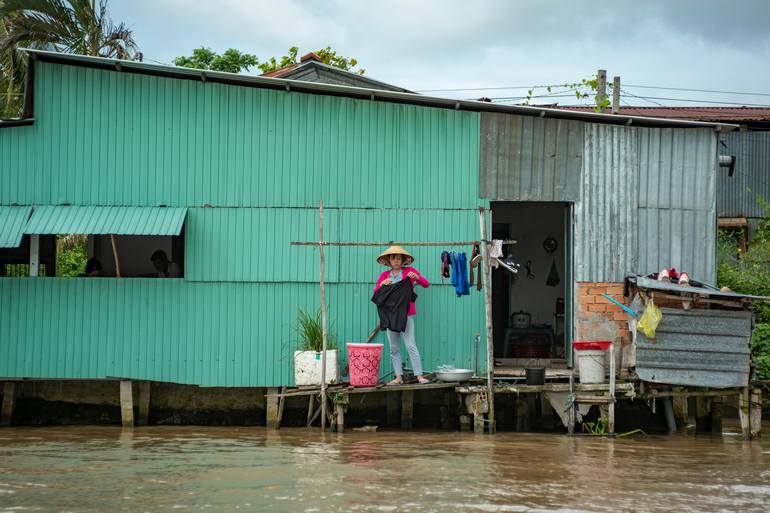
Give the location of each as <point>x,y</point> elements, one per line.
<point>356,92</point>
<point>106,220</point>
<point>648,283</point>
<point>699,348</point>
<point>737,194</point>
<point>12,221</point>
<point>695,112</point>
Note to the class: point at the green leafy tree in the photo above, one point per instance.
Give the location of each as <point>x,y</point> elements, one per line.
<point>327,55</point>
<point>70,26</point>
<point>232,60</point>
<point>71,255</point>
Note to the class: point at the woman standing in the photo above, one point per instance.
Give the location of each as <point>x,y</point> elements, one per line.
<point>399,261</point>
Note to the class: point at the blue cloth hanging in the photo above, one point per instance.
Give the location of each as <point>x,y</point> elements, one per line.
<point>460,274</point>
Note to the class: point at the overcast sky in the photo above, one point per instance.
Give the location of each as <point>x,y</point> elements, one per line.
<point>431,44</point>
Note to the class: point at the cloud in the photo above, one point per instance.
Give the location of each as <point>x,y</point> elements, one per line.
<point>441,44</point>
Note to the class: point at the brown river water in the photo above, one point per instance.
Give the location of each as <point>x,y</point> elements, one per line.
<point>159,469</point>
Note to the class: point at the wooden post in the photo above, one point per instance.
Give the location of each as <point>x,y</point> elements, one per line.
<point>616,95</point>
<point>323,318</point>
<point>340,414</point>
<point>392,408</point>
<point>524,413</point>
<point>9,400</point>
<point>680,408</point>
<point>611,405</point>
<point>144,403</point>
<point>281,403</point>
<point>310,409</point>
<point>703,414</point>
<point>601,88</point>
<point>34,255</point>
<point>115,255</point>
<point>744,412</point>
<point>407,409</point>
<point>717,403</point>
<point>571,422</point>
<point>271,409</point>
<point>488,311</point>
<point>755,413</point>
<point>126,403</point>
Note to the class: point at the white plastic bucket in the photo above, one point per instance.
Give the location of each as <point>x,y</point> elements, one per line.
<point>591,365</point>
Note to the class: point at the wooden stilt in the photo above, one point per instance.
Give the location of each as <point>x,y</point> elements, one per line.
<point>407,409</point>
<point>144,403</point>
<point>744,412</point>
<point>281,403</point>
<point>488,312</point>
<point>310,409</point>
<point>323,319</point>
<point>272,408</point>
<point>340,414</point>
<point>571,422</point>
<point>393,415</point>
<point>716,414</point>
<point>523,413</point>
<point>126,404</point>
<point>465,422</point>
<point>703,414</point>
<point>680,408</point>
<point>9,402</point>
<point>611,405</point>
<point>755,413</point>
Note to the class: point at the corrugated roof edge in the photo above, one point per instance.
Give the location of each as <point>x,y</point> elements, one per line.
<point>357,92</point>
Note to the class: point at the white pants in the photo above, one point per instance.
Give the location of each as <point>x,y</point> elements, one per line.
<point>411,347</point>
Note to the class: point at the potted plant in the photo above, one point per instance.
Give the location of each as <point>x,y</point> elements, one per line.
<point>307,357</point>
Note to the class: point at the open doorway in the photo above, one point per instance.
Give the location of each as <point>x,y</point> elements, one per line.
<point>530,306</point>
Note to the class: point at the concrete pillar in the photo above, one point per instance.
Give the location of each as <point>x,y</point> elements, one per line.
<point>126,404</point>
<point>272,408</point>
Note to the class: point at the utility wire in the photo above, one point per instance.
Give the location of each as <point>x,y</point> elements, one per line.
<point>695,90</point>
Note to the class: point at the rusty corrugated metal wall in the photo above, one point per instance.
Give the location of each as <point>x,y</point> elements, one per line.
<point>737,194</point>
<point>530,159</point>
<point>644,197</point>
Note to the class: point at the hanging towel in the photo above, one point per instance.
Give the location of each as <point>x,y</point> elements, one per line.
<point>445,265</point>
<point>476,264</point>
<point>460,274</point>
<point>496,251</point>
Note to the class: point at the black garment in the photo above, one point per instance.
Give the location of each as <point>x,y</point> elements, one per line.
<point>393,304</point>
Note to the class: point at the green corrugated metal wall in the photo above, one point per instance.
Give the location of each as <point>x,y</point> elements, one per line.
<point>385,171</point>
<point>106,220</point>
<point>210,334</point>
<point>109,138</point>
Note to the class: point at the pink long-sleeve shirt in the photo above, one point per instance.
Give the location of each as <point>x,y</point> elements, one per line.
<point>405,270</point>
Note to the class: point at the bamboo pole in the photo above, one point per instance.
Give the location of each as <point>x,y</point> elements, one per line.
<point>399,243</point>
<point>488,311</point>
<point>323,320</point>
<point>115,255</point>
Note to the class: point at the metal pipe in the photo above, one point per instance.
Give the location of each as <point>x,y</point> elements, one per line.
<point>668,409</point>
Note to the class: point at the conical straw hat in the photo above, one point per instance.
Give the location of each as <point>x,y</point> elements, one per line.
<point>395,250</point>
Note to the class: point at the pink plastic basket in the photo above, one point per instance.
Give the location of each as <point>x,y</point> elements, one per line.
<point>364,364</point>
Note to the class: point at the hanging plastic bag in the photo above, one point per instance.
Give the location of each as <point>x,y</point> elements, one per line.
<point>650,320</point>
<point>553,276</point>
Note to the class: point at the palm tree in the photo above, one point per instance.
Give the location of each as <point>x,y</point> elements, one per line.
<point>71,26</point>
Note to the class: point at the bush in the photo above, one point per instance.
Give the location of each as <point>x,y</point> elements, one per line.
<point>760,350</point>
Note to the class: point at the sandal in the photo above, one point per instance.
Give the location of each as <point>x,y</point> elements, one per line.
<point>393,382</point>
<point>423,381</point>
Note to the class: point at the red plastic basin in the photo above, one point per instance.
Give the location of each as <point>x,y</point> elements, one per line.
<point>580,345</point>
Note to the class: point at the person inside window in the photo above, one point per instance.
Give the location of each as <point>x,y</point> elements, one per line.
<point>93,268</point>
<point>165,267</point>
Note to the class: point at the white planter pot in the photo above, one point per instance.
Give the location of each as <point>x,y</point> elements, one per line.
<point>307,367</point>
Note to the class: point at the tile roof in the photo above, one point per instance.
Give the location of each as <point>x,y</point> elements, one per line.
<point>691,113</point>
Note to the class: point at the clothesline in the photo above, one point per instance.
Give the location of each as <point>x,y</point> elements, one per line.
<point>399,243</point>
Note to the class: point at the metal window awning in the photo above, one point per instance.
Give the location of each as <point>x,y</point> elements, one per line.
<point>12,222</point>
<point>91,220</point>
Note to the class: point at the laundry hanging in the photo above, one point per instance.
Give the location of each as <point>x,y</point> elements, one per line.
<point>460,274</point>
